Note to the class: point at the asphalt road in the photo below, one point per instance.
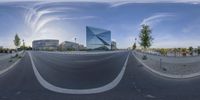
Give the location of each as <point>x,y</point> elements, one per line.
<point>79,71</point>
<point>138,83</point>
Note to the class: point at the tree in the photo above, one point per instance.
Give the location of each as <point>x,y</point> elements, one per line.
<point>179,51</point>
<point>163,52</point>
<point>184,52</point>
<point>198,51</point>
<point>175,51</point>
<point>134,46</point>
<point>17,42</point>
<point>191,51</point>
<point>145,37</point>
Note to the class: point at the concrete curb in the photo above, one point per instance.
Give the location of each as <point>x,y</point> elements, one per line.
<point>164,74</point>
<point>11,66</point>
<point>54,88</point>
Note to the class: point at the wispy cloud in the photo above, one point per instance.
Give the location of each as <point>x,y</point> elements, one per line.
<point>40,14</point>
<point>152,20</point>
<point>45,21</point>
<point>114,3</point>
<point>117,3</point>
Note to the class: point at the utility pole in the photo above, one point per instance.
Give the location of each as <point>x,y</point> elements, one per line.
<point>135,40</point>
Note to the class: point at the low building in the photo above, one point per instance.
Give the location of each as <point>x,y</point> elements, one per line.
<point>82,47</point>
<point>70,46</point>
<point>113,45</point>
<point>47,44</point>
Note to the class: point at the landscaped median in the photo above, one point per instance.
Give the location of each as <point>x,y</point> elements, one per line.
<point>171,67</point>
<point>9,60</point>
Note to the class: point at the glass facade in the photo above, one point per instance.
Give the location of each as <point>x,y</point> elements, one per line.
<point>98,38</point>
<point>45,44</point>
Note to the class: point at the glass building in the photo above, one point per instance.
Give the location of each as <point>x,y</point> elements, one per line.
<point>45,44</point>
<point>98,38</point>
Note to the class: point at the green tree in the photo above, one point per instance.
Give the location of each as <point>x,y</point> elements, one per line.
<point>134,46</point>
<point>175,51</point>
<point>145,37</point>
<point>191,51</point>
<point>17,42</point>
<point>179,51</point>
<point>163,52</point>
<point>184,51</point>
<point>198,51</point>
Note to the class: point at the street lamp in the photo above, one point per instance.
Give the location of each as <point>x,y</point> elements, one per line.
<point>77,48</point>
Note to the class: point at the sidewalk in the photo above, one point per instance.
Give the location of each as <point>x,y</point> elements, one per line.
<point>173,67</point>
<point>7,60</point>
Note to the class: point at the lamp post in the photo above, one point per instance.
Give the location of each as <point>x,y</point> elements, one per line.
<point>77,48</point>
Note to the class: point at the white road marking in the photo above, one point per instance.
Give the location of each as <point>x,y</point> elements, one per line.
<point>54,88</point>
<point>150,96</point>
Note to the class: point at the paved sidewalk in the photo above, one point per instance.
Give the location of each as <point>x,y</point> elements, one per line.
<point>7,60</point>
<point>173,67</point>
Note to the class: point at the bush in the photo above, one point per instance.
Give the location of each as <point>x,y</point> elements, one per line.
<point>16,55</point>
<point>144,57</point>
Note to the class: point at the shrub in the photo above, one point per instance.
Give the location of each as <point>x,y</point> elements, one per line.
<point>144,57</point>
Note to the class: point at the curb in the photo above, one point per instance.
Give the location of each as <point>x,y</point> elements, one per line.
<point>166,75</point>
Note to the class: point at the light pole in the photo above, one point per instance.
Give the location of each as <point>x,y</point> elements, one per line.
<point>77,48</point>
<point>135,40</point>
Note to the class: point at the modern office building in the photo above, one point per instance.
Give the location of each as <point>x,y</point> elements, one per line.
<point>98,38</point>
<point>113,45</point>
<point>48,44</point>
<point>67,45</point>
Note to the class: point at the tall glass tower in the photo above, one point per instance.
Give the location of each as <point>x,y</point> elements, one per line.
<point>98,38</point>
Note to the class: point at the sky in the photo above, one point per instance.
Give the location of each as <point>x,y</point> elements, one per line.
<point>173,23</point>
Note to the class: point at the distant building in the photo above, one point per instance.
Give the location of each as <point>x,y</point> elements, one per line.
<point>113,45</point>
<point>1,47</point>
<point>82,47</point>
<point>47,44</point>
<point>98,38</point>
<point>67,45</point>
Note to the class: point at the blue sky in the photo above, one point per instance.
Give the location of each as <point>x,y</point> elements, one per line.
<point>173,24</point>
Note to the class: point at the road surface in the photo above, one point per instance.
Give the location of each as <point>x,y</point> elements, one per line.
<point>92,71</point>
